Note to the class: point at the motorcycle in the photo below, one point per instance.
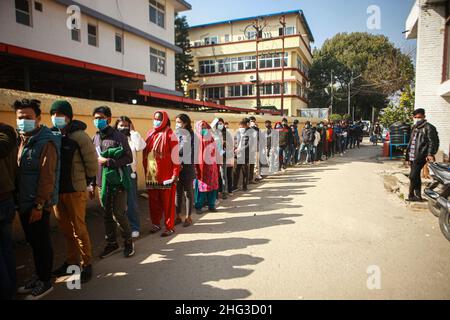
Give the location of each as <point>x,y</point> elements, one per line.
<point>438,194</point>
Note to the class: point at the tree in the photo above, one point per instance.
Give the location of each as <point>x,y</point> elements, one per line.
<point>402,112</point>
<point>184,70</point>
<point>335,117</point>
<point>369,64</point>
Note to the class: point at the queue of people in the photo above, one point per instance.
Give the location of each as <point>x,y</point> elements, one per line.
<point>188,168</point>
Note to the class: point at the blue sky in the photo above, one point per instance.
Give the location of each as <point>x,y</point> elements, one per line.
<point>325,17</point>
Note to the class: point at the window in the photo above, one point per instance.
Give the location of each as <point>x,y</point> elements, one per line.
<point>157,12</point>
<point>193,94</point>
<point>23,12</point>
<point>287,31</point>
<point>76,35</point>
<point>214,93</point>
<point>302,66</point>
<point>38,6</point>
<point>211,40</point>
<point>197,43</point>
<point>272,88</point>
<point>119,42</point>
<point>92,35</point>
<point>157,61</point>
<point>227,38</point>
<point>267,61</point>
<point>240,91</point>
<point>251,35</point>
<point>446,71</point>
<point>207,67</point>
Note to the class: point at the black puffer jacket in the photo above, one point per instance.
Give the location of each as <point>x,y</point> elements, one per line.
<point>427,141</point>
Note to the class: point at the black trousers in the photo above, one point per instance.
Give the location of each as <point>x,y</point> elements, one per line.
<point>38,236</point>
<point>251,172</point>
<point>230,179</point>
<point>185,189</point>
<point>244,168</point>
<point>415,187</point>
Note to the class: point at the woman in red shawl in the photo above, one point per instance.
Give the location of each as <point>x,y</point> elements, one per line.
<point>207,183</point>
<point>162,167</point>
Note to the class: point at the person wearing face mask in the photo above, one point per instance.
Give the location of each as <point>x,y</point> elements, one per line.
<point>113,198</point>
<point>242,155</point>
<point>137,144</point>
<point>8,168</point>
<point>162,170</point>
<point>220,137</point>
<point>422,148</point>
<point>38,183</point>
<point>78,168</point>
<point>207,182</point>
<point>185,187</point>
<point>307,143</point>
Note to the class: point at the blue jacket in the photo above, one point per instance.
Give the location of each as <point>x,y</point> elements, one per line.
<point>29,171</point>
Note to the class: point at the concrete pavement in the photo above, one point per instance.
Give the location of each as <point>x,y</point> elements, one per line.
<point>311,233</point>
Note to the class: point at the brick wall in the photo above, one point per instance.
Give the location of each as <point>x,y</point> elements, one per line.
<point>430,55</point>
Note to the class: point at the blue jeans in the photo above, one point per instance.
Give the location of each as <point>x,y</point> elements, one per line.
<point>305,147</point>
<point>7,257</point>
<point>132,211</point>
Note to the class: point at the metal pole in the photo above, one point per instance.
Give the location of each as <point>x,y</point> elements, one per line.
<point>349,94</point>
<point>258,96</point>
<point>331,91</point>
<point>283,23</point>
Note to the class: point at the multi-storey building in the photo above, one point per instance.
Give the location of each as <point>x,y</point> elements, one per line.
<point>429,23</point>
<point>89,48</point>
<point>232,60</point>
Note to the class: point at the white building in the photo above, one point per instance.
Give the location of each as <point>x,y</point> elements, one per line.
<point>429,23</point>
<point>130,42</point>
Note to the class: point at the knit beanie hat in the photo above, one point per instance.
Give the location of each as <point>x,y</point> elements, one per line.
<point>63,107</point>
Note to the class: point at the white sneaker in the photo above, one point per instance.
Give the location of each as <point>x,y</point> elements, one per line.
<point>135,234</point>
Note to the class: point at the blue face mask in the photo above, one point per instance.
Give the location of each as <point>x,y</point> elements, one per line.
<point>157,123</point>
<point>204,132</point>
<point>220,127</point>
<point>100,124</point>
<point>59,122</point>
<point>25,126</point>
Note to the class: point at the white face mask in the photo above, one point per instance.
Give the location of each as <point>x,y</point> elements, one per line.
<point>178,126</point>
<point>242,130</point>
<point>417,121</point>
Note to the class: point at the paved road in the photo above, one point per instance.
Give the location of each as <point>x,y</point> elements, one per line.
<point>311,233</point>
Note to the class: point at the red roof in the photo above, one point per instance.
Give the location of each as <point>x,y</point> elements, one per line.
<point>206,104</point>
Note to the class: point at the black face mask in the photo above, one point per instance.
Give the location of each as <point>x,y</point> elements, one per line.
<point>125,131</point>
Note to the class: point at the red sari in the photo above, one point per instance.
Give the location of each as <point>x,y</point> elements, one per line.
<point>161,163</point>
<point>207,171</point>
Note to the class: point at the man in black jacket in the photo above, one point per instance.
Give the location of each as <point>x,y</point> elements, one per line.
<point>422,147</point>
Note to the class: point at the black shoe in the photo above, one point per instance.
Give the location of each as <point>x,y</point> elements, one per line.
<point>212,210</point>
<point>414,199</point>
<point>86,274</point>
<point>40,290</point>
<point>199,211</point>
<point>29,285</point>
<point>245,189</point>
<point>109,250</point>
<point>61,271</point>
<point>128,250</point>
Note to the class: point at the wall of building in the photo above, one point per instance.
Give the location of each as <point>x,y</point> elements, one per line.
<point>50,34</point>
<point>142,116</point>
<point>430,53</point>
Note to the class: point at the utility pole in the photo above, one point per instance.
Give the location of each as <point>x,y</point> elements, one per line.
<point>257,27</point>
<point>349,93</point>
<point>331,91</point>
<point>283,23</point>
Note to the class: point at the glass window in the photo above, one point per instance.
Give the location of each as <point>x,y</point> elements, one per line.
<point>214,93</point>
<point>75,33</point>
<point>227,38</point>
<point>157,61</point>
<point>119,43</point>
<point>23,12</point>
<point>157,13</point>
<point>92,35</point>
<point>193,94</point>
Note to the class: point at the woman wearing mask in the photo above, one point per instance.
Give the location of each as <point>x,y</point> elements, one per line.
<point>137,144</point>
<point>185,187</point>
<point>220,137</point>
<point>207,183</point>
<point>162,167</point>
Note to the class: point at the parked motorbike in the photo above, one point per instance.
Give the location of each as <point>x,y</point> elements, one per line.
<point>438,195</point>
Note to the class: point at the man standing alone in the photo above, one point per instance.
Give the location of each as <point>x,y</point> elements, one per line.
<point>422,148</point>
